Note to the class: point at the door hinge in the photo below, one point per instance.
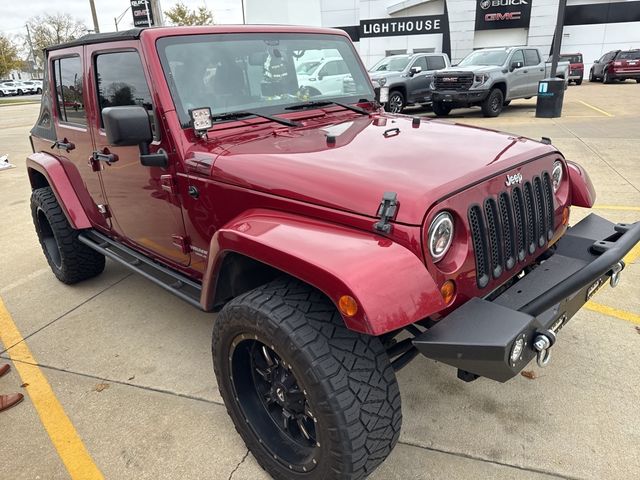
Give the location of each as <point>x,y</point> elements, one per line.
<point>182,242</point>
<point>104,210</point>
<point>168,183</point>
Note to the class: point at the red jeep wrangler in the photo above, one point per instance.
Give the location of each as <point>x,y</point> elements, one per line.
<point>336,241</point>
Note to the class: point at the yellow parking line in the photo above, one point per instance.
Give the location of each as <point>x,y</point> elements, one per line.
<point>613,312</point>
<point>617,207</point>
<point>633,255</point>
<point>61,431</point>
<point>595,108</point>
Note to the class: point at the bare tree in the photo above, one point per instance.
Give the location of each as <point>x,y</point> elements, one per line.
<point>179,14</point>
<point>9,59</point>
<point>52,29</point>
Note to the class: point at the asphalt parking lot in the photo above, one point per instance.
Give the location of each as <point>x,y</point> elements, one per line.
<point>120,379</point>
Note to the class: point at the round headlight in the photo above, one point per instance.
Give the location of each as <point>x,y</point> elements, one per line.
<point>440,235</point>
<point>556,174</point>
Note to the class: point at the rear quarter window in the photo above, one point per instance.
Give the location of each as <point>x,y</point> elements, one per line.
<point>67,72</point>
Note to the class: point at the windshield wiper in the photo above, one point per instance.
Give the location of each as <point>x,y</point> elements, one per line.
<point>236,115</point>
<point>324,103</point>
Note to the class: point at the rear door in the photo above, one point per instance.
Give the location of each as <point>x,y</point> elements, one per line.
<point>142,201</point>
<point>73,145</point>
<point>534,69</point>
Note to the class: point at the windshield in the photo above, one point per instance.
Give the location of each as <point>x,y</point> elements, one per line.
<point>261,72</point>
<point>391,64</point>
<point>632,55</point>
<point>485,57</point>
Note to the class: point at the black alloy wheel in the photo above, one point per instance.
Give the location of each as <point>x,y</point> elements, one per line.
<point>492,105</point>
<point>274,404</point>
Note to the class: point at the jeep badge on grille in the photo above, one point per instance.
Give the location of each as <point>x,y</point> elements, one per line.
<point>513,179</point>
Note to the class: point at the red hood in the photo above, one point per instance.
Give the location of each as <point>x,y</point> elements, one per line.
<point>420,164</point>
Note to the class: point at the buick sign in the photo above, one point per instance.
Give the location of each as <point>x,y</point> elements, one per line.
<point>494,14</point>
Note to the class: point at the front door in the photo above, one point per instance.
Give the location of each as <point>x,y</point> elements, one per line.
<point>418,83</point>
<point>74,145</point>
<point>141,200</point>
<point>518,79</point>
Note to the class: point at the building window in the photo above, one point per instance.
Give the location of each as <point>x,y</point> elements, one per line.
<point>424,50</point>
<point>68,80</point>
<point>388,53</point>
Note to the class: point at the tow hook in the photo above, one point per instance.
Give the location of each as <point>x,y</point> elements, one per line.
<point>543,343</point>
<point>616,270</point>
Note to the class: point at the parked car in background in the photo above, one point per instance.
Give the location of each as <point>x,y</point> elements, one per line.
<point>616,65</point>
<point>34,86</point>
<point>407,77</point>
<point>25,87</point>
<point>7,89</point>
<point>322,77</point>
<point>576,66</point>
<point>490,78</point>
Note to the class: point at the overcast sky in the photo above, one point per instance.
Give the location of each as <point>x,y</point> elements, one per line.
<point>15,13</point>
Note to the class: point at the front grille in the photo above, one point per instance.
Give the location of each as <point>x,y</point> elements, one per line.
<point>508,228</point>
<point>455,81</point>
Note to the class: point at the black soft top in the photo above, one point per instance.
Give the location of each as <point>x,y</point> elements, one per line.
<point>90,38</point>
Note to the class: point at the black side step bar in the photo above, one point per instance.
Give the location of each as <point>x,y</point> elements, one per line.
<point>170,280</point>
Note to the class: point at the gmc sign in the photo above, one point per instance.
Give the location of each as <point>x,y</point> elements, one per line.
<point>494,14</point>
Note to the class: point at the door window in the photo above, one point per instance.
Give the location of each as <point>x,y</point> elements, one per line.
<point>68,81</point>
<point>435,63</point>
<point>121,81</point>
<point>531,57</point>
<point>517,57</point>
<point>420,62</point>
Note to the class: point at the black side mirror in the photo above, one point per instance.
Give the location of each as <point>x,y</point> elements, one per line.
<point>515,65</point>
<point>596,61</point>
<point>320,76</point>
<point>130,125</point>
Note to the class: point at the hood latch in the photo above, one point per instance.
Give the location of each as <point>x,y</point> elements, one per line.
<point>386,211</point>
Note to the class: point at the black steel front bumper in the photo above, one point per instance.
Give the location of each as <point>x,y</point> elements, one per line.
<point>462,98</point>
<point>479,337</point>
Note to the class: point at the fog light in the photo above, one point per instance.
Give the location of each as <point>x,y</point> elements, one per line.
<point>448,291</point>
<point>348,305</point>
<point>517,349</point>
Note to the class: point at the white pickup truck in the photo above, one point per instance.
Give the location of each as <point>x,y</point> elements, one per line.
<point>491,78</point>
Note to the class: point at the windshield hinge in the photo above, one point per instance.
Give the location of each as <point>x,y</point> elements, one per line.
<point>386,211</point>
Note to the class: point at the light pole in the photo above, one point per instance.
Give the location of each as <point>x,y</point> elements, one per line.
<point>96,28</point>
<point>118,19</point>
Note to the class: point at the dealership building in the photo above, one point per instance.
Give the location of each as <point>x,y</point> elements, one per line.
<point>386,27</point>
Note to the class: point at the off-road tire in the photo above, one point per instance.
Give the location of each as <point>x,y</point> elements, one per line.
<point>396,101</point>
<point>440,109</point>
<point>346,376</point>
<point>492,105</point>
<point>606,78</point>
<point>70,260</point>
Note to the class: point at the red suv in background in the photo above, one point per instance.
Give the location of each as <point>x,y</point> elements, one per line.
<point>576,67</point>
<point>616,65</point>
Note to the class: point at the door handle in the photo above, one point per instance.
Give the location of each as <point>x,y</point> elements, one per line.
<point>108,158</point>
<point>63,144</point>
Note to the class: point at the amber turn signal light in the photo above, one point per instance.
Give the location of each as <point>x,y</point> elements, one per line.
<point>448,291</point>
<point>565,215</point>
<point>348,305</point>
